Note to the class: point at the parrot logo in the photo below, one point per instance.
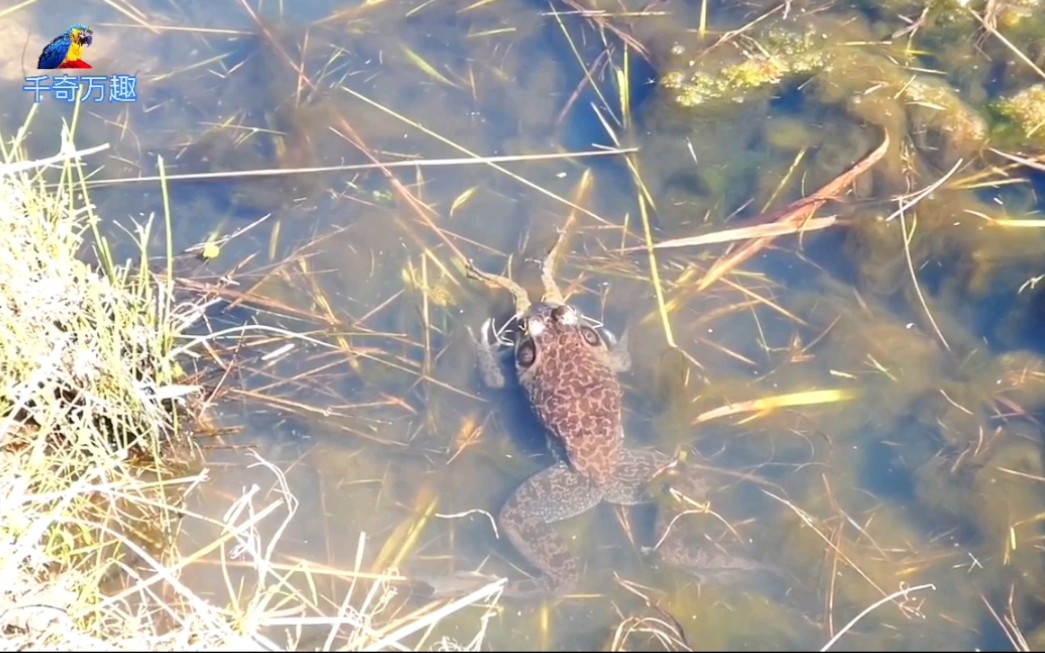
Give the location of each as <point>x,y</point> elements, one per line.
<point>66,51</point>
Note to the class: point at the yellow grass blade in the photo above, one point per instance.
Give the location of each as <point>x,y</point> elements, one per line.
<point>772,229</point>
<point>405,535</point>
<point>426,67</point>
<point>462,199</point>
<point>764,404</point>
<point>1019,224</point>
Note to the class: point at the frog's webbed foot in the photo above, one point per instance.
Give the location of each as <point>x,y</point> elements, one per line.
<point>519,295</point>
<point>487,353</point>
<point>551,293</point>
<point>684,484</point>
<point>691,536</point>
<point>550,496</point>
<point>708,563</point>
<point>453,585</point>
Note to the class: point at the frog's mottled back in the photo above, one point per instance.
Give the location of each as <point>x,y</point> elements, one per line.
<point>572,387</point>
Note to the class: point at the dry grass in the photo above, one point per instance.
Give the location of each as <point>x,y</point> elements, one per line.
<point>94,464</point>
<point>87,414</point>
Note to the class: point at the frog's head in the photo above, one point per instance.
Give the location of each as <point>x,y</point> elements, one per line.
<point>549,329</point>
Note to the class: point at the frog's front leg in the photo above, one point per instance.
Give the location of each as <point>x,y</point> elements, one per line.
<point>619,359</point>
<point>550,496</point>
<point>488,355</point>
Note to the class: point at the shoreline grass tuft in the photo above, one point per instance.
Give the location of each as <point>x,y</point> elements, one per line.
<point>95,463</point>
<point>89,404</point>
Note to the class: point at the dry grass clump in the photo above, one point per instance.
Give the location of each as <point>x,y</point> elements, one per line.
<point>83,354</point>
<point>94,467</point>
<point>88,391</point>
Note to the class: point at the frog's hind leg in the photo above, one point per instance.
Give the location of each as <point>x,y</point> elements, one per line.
<point>631,482</point>
<point>519,295</point>
<point>551,293</point>
<point>487,354</point>
<point>550,496</point>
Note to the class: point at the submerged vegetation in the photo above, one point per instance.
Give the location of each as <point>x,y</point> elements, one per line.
<point>1025,112</point>
<point>945,233</point>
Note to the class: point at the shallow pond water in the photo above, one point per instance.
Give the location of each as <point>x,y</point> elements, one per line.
<point>917,463</point>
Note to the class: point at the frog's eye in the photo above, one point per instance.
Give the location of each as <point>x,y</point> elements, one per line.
<point>525,353</point>
<point>590,336</point>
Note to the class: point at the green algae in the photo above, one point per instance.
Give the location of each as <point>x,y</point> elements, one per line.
<point>1022,118</point>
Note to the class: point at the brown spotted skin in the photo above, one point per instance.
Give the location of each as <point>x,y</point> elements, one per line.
<point>569,375</point>
<point>549,496</point>
<point>572,388</point>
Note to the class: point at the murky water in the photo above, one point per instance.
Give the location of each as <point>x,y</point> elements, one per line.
<point>926,469</point>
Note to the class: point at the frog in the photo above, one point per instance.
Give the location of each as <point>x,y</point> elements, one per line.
<point>568,367</point>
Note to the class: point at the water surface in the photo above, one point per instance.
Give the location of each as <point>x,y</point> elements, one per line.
<point>929,473</point>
